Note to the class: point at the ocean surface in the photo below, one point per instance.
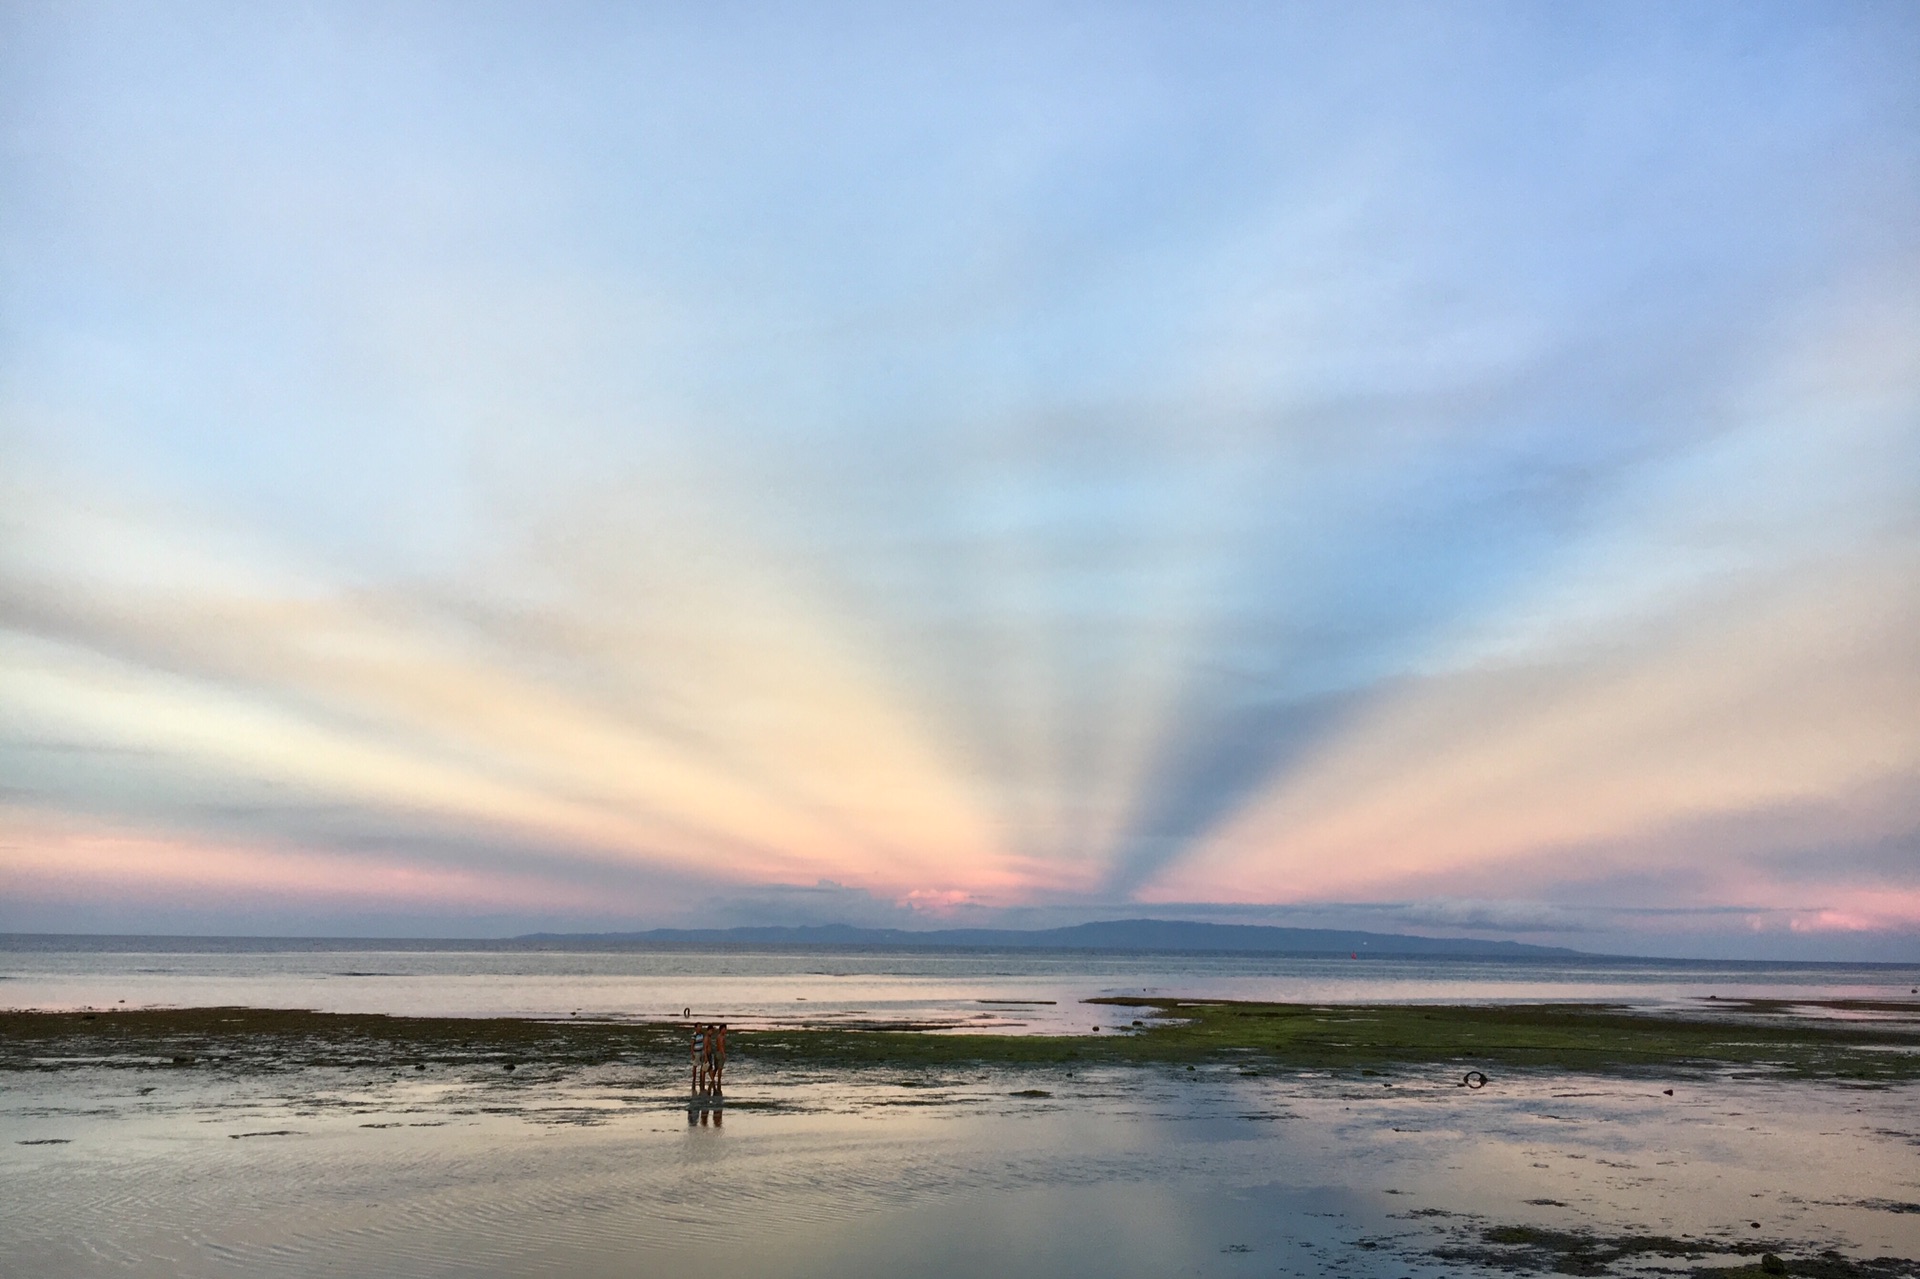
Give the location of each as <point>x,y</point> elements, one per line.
<point>368,1169</point>
<point>1011,991</point>
<point>1122,1173</point>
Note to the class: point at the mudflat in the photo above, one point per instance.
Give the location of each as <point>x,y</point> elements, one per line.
<point>1864,1041</point>
<point>1215,1138</point>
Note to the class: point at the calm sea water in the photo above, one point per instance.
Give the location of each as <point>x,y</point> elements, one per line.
<point>1019,991</point>
<point>1031,1172</point>
<point>1036,1171</point>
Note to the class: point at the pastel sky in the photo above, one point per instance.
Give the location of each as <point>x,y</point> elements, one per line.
<point>1450,468</point>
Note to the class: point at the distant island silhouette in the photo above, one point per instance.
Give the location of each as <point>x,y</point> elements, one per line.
<point>1113,934</point>
<point>1137,935</point>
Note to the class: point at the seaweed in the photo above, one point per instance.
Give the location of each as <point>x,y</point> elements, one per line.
<point>1362,1041</point>
<point>1533,1249</point>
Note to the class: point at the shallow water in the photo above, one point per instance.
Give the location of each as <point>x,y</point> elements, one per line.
<point>943,1172</point>
<point>1116,1171</point>
<point>1004,991</point>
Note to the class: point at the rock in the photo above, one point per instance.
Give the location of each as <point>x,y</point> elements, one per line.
<point>1772,1264</point>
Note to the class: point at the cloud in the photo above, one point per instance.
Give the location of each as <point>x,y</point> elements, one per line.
<point>790,905</point>
<point>1013,467</point>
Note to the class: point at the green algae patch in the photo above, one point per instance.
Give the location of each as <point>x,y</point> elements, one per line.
<point>1532,1250</point>
<point>1569,1252</point>
<point>1580,1037</point>
<point>1826,1265</point>
<point>269,1039</point>
<point>1375,1042</point>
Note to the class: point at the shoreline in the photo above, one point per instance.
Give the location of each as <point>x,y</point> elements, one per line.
<point>1332,1138</point>
<point>1857,1042</point>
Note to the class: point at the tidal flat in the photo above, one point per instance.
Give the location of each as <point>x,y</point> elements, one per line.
<point>1866,1041</point>
<point>1213,1138</point>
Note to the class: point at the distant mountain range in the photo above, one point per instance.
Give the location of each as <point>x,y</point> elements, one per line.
<point>1113,934</point>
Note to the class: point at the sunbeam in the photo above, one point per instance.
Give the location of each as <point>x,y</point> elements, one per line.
<point>615,467</point>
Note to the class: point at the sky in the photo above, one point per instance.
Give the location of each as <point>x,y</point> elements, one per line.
<point>476,468</point>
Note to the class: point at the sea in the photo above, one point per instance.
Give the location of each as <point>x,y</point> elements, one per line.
<point>1138,1172</point>
<point>948,991</point>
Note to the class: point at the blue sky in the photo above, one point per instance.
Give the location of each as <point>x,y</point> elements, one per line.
<point>540,466</point>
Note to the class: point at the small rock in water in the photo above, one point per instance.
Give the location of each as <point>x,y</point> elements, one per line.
<point>1772,1264</point>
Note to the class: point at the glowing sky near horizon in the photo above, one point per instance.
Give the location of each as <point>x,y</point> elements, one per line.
<point>1454,466</point>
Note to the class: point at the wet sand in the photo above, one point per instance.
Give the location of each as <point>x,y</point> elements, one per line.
<point>1862,1040</point>
<point>337,1160</point>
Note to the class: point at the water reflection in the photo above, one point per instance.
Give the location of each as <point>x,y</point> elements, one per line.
<point>1035,1174</point>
